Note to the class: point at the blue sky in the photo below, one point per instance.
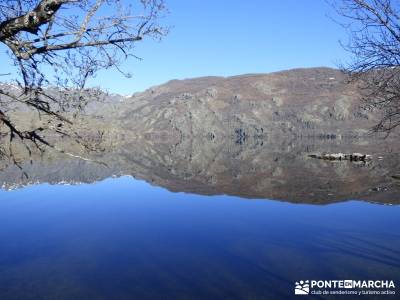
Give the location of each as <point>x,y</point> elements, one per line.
<point>231,38</point>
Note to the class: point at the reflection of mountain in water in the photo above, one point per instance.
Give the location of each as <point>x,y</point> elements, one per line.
<point>217,135</point>
<point>257,168</point>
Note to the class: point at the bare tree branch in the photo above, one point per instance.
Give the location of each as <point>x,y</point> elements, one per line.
<point>374,43</point>
<point>56,46</point>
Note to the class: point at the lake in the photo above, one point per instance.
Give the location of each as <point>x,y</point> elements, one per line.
<point>177,233</point>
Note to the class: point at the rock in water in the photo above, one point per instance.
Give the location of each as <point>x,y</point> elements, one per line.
<point>341,156</point>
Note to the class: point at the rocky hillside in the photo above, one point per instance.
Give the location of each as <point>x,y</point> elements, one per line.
<point>306,102</point>
<point>315,102</point>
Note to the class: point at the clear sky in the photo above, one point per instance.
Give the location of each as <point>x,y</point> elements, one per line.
<point>220,37</point>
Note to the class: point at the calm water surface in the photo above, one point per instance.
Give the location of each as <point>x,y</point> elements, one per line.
<point>125,239</point>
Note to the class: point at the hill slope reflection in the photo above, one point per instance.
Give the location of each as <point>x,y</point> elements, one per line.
<point>256,168</point>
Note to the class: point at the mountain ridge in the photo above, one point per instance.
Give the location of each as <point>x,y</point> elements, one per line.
<point>301,102</point>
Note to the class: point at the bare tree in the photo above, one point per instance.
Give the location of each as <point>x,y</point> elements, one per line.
<point>57,45</point>
<point>374,30</point>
